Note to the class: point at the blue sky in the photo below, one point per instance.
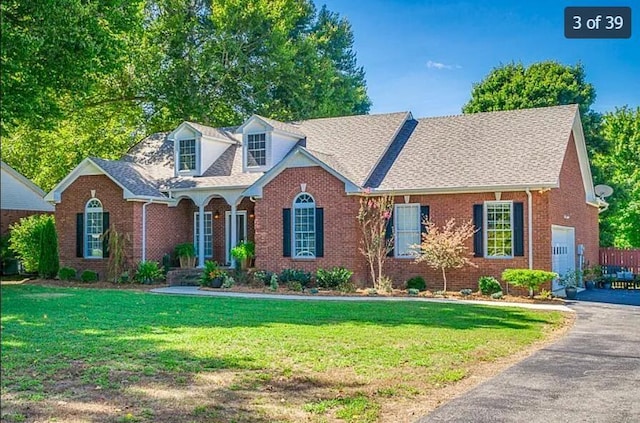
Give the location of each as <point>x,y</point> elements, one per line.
<point>424,55</point>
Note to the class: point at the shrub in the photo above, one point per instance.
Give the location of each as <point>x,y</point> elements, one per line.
<point>545,295</point>
<point>89,276</point>
<point>263,276</point>
<point>289,275</point>
<point>528,278</point>
<point>413,291</point>
<point>273,282</point>
<point>333,278</point>
<point>313,291</point>
<point>124,277</point>
<point>385,284</point>
<point>487,285</point>
<point>210,272</point>
<point>347,287</point>
<point>148,272</point>
<point>466,292</point>
<point>243,251</point>
<point>67,273</point>
<point>25,240</point>
<point>440,293</point>
<point>295,286</point>
<point>497,295</point>
<point>227,281</point>
<point>417,282</point>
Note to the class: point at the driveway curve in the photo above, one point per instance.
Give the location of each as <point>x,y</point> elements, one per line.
<point>590,375</point>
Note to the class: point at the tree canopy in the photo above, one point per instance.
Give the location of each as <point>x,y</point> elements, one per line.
<point>92,78</point>
<point>612,139</point>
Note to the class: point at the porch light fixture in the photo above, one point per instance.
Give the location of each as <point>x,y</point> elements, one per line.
<point>216,215</point>
<point>252,215</point>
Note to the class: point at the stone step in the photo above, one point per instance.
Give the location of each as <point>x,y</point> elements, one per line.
<point>184,277</point>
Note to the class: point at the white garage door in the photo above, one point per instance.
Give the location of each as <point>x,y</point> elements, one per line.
<point>563,255</point>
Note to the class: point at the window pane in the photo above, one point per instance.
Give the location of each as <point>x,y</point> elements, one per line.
<point>407,231</point>
<point>93,229</point>
<point>208,233</point>
<point>256,150</point>
<point>499,230</point>
<point>187,154</point>
<point>304,226</point>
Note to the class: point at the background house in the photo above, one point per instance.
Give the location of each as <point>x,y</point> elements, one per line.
<point>19,197</point>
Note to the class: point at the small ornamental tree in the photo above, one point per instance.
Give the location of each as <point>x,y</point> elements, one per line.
<point>528,278</point>
<point>373,216</point>
<point>444,247</point>
<point>118,243</point>
<point>48,261</point>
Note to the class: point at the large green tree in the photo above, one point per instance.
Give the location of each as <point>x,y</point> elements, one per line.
<point>515,86</point>
<point>619,163</point>
<point>92,77</point>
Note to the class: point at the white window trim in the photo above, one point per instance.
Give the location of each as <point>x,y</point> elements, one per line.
<point>485,231</point>
<point>192,172</point>
<point>86,232</point>
<point>227,231</point>
<point>195,243</point>
<point>293,227</point>
<point>245,151</point>
<point>395,228</point>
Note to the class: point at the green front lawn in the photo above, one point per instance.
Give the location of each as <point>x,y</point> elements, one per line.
<point>107,355</point>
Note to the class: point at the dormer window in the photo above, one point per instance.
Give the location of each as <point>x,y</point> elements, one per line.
<point>187,155</point>
<point>256,150</point>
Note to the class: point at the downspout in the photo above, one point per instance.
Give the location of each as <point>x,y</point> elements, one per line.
<point>144,229</point>
<point>530,226</point>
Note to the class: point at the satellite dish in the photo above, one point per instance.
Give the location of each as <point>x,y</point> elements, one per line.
<point>603,191</point>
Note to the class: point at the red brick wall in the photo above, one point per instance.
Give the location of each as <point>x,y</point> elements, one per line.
<point>460,207</point>
<point>342,233</point>
<point>9,217</point>
<point>569,200</point>
<point>73,201</point>
<point>340,230</point>
<point>166,227</point>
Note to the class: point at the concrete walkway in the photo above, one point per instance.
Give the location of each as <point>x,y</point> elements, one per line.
<point>193,290</point>
<point>591,375</point>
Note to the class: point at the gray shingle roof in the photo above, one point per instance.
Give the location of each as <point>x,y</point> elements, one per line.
<point>356,142</point>
<point>225,133</point>
<point>290,127</point>
<point>520,147</point>
<point>387,151</point>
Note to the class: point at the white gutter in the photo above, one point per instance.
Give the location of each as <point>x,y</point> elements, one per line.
<point>530,227</point>
<point>144,229</point>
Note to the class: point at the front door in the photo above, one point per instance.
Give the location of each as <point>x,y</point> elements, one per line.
<point>241,230</point>
<point>563,257</point>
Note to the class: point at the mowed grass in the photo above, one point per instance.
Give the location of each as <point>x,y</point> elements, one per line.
<point>107,355</point>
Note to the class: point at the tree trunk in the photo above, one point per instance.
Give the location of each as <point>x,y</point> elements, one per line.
<point>444,277</point>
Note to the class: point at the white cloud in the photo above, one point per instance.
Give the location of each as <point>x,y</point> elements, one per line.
<point>437,65</point>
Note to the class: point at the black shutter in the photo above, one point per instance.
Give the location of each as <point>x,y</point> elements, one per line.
<point>518,229</point>
<point>286,232</point>
<point>105,235</point>
<point>424,214</point>
<point>388,235</point>
<point>478,241</point>
<point>319,232</point>
<point>80,235</point>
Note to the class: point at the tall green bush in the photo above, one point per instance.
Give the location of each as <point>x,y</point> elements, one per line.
<point>488,285</point>
<point>48,261</point>
<point>26,237</point>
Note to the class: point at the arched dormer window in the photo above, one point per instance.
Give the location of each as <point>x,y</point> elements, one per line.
<point>304,226</point>
<point>94,228</point>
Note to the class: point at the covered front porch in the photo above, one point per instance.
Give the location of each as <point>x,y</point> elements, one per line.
<point>228,220</point>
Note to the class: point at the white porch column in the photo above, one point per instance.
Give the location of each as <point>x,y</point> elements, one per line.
<point>201,234</point>
<point>234,230</point>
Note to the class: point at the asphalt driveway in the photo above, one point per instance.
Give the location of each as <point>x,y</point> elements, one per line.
<point>591,375</point>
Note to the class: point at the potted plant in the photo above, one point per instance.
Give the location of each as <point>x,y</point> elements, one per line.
<point>186,253</point>
<point>570,283</point>
<point>212,276</point>
<point>243,253</point>
<point>591,275</point>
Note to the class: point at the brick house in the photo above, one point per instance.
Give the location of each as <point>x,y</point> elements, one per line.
<point>522,177</point>
<point>19,198</point>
